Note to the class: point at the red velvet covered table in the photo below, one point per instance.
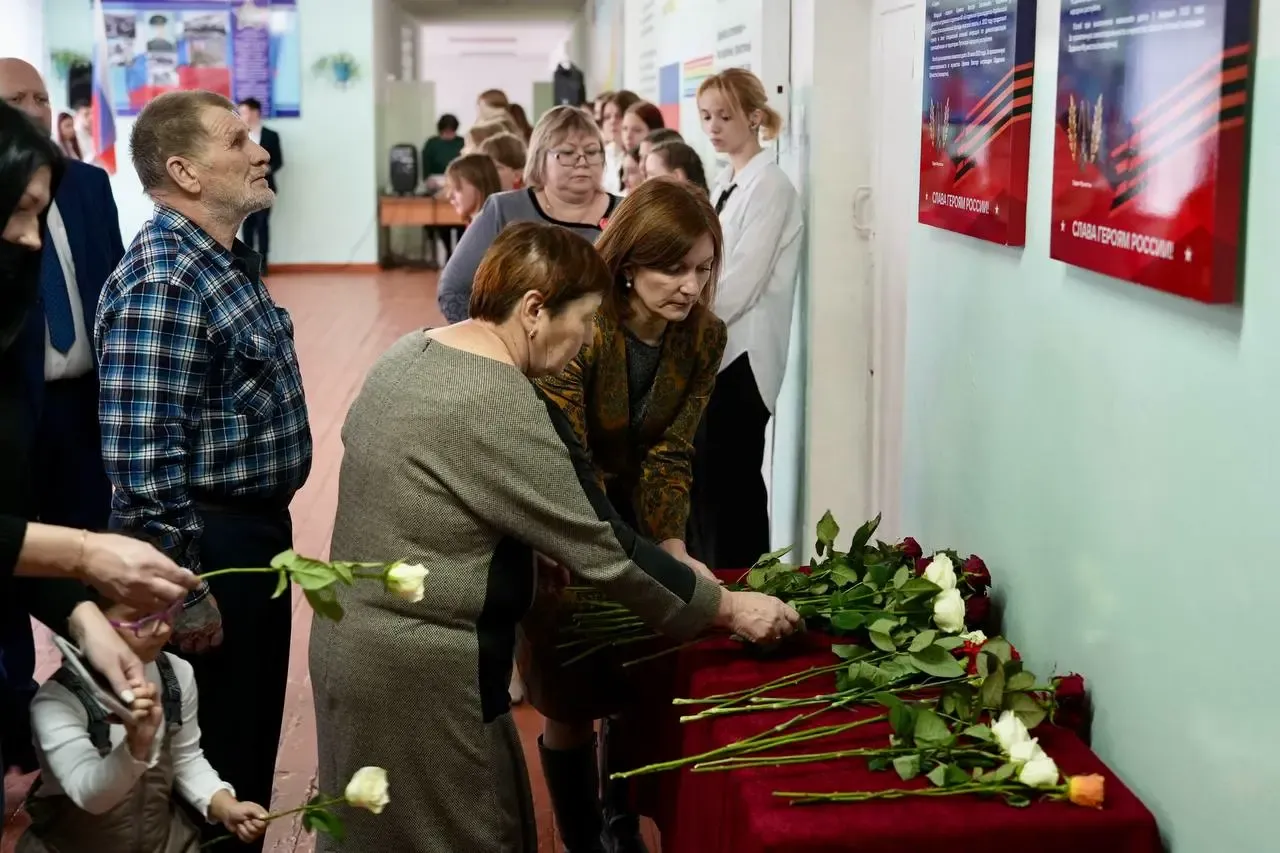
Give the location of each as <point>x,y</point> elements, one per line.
<point>736,810</point>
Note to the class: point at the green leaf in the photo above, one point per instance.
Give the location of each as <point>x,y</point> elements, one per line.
<point>345,571</point>
<point>883,626</point>
<point>955,775</point>
<point>864,534</point>
<point>930,729</point>
<point>878,574</point>
<point>950,643</point>
<point>324,602</point>
<point>284,559</point>
<point>322,820</point>
<point>828,530</point>
<point>938,662</point>
<point>901,577</point>
<point>985,662</point>
<point>842,573</point>
<point>920,587</point>
<point>882,641</point>
<point>773,556</point>
<point>1031,712</point>
<point>962,696</point>
<point>757,578</point>
<point>938,776</point>
<point>1020,680</point>
<point>312,574</point>
<point>1017,800</point>
<point>848,620</point>
<point>877,763</point>
<point>982,733</point>
<point>1004,771</point>
<point>846,651</point>
<point>922,641</point>
<point>907,766</point>
<point>888,700</point>
<point>819,588</point>
<point>282,584</point>
<point>991,694</point>
<point>999,647</point>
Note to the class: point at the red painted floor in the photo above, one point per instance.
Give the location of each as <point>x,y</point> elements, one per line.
<point>343,323</point>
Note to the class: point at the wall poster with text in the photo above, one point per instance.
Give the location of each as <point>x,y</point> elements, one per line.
<point>976,117</point>
<point>1150,142</point>
<point>237,48</point>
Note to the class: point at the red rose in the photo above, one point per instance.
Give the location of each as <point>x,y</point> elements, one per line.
<point>911,548</point>
<point>922,563</point>
<point>977,610</point>
<point>975,572</point>
<point>1071,704</point>
<point>969,652</point>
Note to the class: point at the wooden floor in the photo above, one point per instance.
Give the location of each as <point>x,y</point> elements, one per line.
<point>343,321</point>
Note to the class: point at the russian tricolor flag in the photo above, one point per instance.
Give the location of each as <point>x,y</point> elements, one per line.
<point>104,116</point>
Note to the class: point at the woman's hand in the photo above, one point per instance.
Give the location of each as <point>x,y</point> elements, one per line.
<point>677,549</point>
<point>105,650</point>
<point>552,577</point>
<point>756,617</point>
<point>133,572</point>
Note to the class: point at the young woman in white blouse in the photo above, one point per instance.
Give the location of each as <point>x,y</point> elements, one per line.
<point>760,214</point>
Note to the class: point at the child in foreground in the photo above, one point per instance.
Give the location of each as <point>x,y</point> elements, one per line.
<point>108,786</point>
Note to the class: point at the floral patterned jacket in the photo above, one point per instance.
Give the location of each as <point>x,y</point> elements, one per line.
<point>656,463</point>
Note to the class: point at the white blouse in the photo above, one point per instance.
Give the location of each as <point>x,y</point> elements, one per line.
<point>612,181</point>
<point>763,226</point>
<point>70,763</point>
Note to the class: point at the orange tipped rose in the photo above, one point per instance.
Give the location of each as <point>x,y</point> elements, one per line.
<point>1086,790</point>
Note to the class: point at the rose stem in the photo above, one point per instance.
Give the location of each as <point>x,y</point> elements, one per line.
<point>802,798</point>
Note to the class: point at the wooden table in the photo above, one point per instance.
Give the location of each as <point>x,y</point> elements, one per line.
<point>428,213</point>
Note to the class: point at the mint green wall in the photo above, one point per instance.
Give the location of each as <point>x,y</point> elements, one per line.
<point>326,211</point>
<point>1111,451</point>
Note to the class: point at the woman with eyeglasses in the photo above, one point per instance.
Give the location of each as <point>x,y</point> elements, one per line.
<point>562,187</point>
<point>40,564</point>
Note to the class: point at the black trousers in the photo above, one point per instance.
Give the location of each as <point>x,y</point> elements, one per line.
<point>730,501</point>
<point>257,234</point>
<point>242,682</point>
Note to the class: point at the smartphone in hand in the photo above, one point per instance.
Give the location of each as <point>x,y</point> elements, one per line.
<point>96,683</point>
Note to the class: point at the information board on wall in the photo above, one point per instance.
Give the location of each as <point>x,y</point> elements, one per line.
<point>238,48</point>
<point>1150,145</point>
<point>976,117</point>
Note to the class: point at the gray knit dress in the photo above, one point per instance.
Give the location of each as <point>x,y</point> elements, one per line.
<point>456,461</point>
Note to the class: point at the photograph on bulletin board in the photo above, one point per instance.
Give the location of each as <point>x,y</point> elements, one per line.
<point>1150,142</point>
<point>237,48</point>
<point>976,117</point>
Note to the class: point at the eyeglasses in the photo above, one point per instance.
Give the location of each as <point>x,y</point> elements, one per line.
<point>153,625</point>
<point>592,157</point>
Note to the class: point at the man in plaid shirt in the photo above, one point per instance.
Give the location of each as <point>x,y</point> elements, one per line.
<point>204,424</point>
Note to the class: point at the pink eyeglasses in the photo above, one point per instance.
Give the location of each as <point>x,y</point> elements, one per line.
<point>150,626</point>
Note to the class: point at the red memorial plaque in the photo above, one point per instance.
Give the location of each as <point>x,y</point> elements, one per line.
<point>976,117</point>
<point>1150,142</point>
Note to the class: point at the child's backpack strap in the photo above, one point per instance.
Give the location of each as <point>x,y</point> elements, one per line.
<point>99,727</point>
<point>171,692</point>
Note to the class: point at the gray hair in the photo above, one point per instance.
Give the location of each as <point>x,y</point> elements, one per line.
<point>170,125</point>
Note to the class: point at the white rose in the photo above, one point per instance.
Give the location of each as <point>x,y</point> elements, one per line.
<point>948,611</point>
<point>1039,773</point>
<point>368,789</point>
<point>1025,752</point>
<point>975,637</point>
<point>941,572</point>
<point>406,581</point>
<point>1010,730</point>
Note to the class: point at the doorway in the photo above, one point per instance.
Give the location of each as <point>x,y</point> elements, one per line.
<point>896,67</point>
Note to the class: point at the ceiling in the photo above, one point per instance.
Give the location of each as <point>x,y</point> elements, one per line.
<point>494,38</point>
<point>454,10</point>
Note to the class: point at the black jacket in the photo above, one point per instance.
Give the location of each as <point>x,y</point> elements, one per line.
<point>271,142</point>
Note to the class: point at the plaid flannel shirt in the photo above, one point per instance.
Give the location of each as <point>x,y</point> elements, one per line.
<point>200,389</point>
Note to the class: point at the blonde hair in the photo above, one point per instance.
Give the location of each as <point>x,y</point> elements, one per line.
<point>554,127</point>
<point>492,103</point>
<point>482,130</point>
<point>506,149</point>
<point>745,94</point>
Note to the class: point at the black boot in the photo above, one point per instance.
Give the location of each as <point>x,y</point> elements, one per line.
<point>622,825</point>
<point>574,787</point>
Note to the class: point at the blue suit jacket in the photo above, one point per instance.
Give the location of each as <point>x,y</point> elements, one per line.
<point>89,212</point>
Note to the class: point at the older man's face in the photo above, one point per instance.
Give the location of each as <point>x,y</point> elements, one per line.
<point>234,167</point>
<point>21,86</point>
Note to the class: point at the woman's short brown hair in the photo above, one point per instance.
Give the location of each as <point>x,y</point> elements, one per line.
<point>654,228</point>
<point>622,100</point>
<point>649,114</point>
<point>679,155</point>
<point>554,261</point>
<point>482,130</point>
<point>553,128</point>
<point>506,149</point>
<point>477,170</point>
